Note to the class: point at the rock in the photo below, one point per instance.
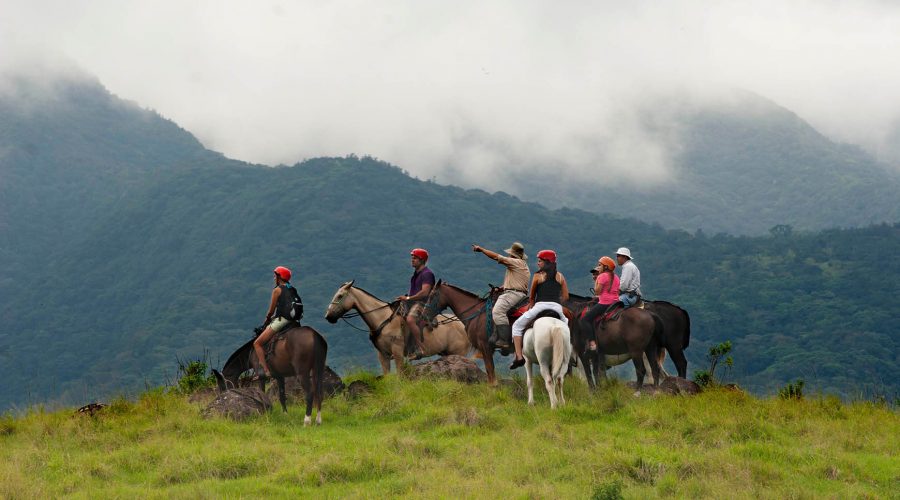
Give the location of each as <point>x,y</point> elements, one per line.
<point>90,409</point>
<point>293,391</point>
<point>239,404</point>
<point>451,367</point>
<point>358,388</point>
<point>678,385</point>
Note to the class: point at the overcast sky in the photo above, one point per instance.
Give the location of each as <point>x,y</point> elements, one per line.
<point>478,88</point>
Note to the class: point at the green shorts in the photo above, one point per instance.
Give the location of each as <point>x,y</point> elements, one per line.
<point>278,324</point>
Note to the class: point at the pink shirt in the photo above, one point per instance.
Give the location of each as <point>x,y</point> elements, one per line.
<point>607,297</point>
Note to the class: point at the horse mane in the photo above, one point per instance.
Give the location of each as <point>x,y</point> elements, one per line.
<point>463,290</point>
<point>370,294</point>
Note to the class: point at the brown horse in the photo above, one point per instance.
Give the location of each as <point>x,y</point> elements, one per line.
<point>676,331</point>
<point>636,333</point>
<point>388,331</point>
<point>589,359</point>
<point>299,351</point>
<point>471,309</point>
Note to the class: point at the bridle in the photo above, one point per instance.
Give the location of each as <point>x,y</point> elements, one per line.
<point>373,334</point>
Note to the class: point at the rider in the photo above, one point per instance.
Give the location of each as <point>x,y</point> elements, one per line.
<point>515,285</point>
<point>630,282</point>
<point>276,319</point>
<point>548,291</point>
<point>419,287</point>
<point>607,289</point>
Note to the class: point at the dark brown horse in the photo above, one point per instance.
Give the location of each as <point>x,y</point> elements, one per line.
<point>636,332</point>
<point>676,331</point>
<point>469,308</point>
<point>590,359</point>
<point>299,351</point>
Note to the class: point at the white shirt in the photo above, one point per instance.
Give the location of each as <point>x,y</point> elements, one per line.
<point>630,281</point>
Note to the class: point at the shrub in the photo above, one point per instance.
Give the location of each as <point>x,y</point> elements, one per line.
<point>611,490</point>
<point>717,354</point>
<point>193,377</point>
<point>794,390</point>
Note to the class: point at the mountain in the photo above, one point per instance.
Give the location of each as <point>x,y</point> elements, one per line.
<point>739,165</point>
<point>125,244</point>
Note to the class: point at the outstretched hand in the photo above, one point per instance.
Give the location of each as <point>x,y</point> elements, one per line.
<point>476,248</point>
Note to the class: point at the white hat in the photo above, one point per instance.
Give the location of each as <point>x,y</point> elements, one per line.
<point>624,251</point>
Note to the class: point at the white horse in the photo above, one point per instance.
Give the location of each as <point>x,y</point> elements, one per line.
<point>547,343</point>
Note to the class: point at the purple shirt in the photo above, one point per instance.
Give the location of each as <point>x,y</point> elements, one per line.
<point>421,277</point>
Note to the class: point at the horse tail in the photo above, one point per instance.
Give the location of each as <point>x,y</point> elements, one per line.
<point>658,330</point>
<point>560,360</point>
<point>687,329</point>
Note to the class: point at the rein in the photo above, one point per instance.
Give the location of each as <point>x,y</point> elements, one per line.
<point>431,306</point>
<point>373,334</point>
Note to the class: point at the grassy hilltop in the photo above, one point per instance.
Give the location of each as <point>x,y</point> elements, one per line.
<point>444,439</point>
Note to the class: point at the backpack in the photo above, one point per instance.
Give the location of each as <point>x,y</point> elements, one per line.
<point>295,309</point>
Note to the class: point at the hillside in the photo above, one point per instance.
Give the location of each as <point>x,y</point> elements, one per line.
<point>443,439</point>
<point>115,264</point>
<point>740,165</point>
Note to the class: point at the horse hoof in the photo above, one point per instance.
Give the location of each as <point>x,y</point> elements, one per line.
<point>306,421</point>
<point>637,394</point>
<point>318,419</point>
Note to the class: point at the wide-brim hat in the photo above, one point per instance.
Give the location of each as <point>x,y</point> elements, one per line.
<point>517,250</point>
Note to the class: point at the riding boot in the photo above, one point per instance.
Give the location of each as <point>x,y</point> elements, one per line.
<point>520,359</point>
<point>502,335</point>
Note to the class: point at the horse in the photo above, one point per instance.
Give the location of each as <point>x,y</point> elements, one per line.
<point>298,351</point>
<point>387,329</point>
<point>471,311</point>
<point>636,333</point>
<point>547,344</point>
<point>590,360</point>
<point>676,334</point>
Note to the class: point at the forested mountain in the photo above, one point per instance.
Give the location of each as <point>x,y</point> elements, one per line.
<point>739,166</point>
<point>124,243</point>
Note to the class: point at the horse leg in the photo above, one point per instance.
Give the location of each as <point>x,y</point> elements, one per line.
<point>385,363</point>
<point>308,392</point>
<point>588,369</point>
<point>562,397</point>
<point>680,361</point>
<point>279,380</point>
<point>638,359</point>
<point>488,358</point>
<point>549,379</point>
<point>653,354</point>
<point>529,381</point>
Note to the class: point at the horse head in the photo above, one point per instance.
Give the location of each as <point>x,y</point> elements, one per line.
<point>337,307</point>
<point>435,303</point>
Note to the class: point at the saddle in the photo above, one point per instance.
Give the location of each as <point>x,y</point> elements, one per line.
<point>278,337</point>
<point>612,314</point>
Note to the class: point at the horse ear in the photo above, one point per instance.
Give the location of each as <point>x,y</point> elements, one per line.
<point>439,282</point>
<point>352,282</point>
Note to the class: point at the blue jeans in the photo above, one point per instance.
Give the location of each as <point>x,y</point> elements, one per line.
<point>628,300</point>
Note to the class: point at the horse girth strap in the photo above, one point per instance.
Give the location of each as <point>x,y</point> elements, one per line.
<point>374,334</point>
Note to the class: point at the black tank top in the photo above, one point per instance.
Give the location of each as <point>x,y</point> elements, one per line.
<point>283,307</point>
<point>548,291</point>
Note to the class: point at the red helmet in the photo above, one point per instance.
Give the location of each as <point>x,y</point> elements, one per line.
<point>283,273</point>
<point>420,253</point>
<point>547,255</point>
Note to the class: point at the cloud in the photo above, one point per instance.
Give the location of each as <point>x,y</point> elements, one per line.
<point>472,91</point>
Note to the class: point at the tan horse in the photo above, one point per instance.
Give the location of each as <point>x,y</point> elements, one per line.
<point>388,331</point>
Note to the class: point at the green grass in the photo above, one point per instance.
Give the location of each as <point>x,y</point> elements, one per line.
<point>443,439</point>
